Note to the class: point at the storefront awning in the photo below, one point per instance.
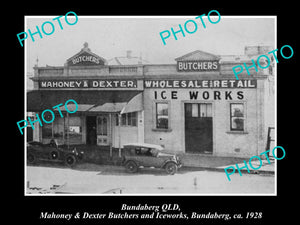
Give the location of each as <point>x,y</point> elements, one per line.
<point>88,101</point>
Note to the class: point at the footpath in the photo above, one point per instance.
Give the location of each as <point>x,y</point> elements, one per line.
<point>214,163</point>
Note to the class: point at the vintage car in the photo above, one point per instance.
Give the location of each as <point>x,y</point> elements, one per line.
<point>52,152</point>
<point>137,155</point>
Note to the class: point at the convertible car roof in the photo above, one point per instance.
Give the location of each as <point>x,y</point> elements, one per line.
<point>145,145</point>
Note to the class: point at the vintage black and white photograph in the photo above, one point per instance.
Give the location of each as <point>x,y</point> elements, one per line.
<point>150,105</point>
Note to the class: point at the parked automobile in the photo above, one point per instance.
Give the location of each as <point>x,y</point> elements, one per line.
<point>52,152</point>
<point>137,155</point>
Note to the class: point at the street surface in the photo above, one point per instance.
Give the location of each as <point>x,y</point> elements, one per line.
<point>99,179</point>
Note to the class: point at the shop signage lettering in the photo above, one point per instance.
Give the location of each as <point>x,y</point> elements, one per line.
<point>194,66</point>
<point>85,58</point>
<point>88,84</point>
<point>47,28</point>
<point>190,26</point>
<point>265,58</point>
<point>200,83</point>
<point>46,119</point>
<point>250,162</point>
<point>199,95</point>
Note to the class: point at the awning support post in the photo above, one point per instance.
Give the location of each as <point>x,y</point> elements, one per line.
<point>119,119</point>
<point>110,141</point>
<point>68,135</point>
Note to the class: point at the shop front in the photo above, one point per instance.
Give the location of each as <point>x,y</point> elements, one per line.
<point>198,107</point>
<point>193,106</point>
<point>110,110</point>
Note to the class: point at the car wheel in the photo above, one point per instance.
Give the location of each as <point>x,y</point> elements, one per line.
<point>131,167</point>
<point>171,168</point>
<point>54,155</point>
<point>30,158</point>
<point>70,160</point>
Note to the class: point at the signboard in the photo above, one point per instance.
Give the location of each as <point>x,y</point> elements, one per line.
<point>98,83</point>
<point>200,83</point>
<point>85,59</point>
<point>95,83</point>
<point>198,66</point>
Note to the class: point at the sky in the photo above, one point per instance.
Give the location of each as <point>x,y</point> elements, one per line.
<point>112,36</point>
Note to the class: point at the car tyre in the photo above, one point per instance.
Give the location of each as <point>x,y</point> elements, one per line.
<point>70,160</point>
<point>171,168</point>
<point>30,158</point>
<point>131,167</point>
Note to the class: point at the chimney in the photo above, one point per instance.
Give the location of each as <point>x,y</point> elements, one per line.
<point>128,54</point>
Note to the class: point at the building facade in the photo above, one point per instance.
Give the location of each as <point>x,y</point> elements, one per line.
<point>193,106</point>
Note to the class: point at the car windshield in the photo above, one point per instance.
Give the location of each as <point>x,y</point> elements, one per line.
<point>146,151</point>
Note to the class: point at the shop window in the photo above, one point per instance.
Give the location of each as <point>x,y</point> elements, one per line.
<point>73,129</point>
<point>162,116</point>
<point>58,128</point>
<point>47,127</point>
<point>237,119</point>
<point>47,131</point>
<point>63,128</point>
<point>129,119</point>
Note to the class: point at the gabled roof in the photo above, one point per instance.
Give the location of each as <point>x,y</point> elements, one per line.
<point>88,51</point>
<point>198,55</point>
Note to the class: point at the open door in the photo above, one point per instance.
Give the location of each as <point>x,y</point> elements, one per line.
<point>91,134</point>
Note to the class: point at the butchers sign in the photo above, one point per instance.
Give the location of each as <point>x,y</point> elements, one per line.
<point>198,66</point>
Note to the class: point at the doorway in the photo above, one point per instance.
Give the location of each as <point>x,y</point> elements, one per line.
<point>198,128</point>
<point>91,132</point>
<point>103,125</point>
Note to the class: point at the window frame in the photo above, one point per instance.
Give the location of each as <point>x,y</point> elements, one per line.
<point>126,117</point>
<point>155,116</point>
<point>231,117</point>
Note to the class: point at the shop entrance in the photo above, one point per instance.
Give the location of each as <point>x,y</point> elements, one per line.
<point>198,128</point>
<point>91,134</point>
<point>102,129</point>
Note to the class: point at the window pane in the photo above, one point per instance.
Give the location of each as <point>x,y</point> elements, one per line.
<point>162,122</point>
<point>162,118</point>
<point>58,128</point>
<point>209,110</point>
<point>117,119</point>
<point>123,119</point>
<point>237,123</point>
<point>188,109</point>
<point>134,118</point>
<point>237,110</point>
<point>203,110</point>
<point>129,119</point>
<point>74,130</point>
<point>104,123</point>
<point>47,131</point>
<point>162,108</point>
<point>195,112</point>
<point>237,116</point>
